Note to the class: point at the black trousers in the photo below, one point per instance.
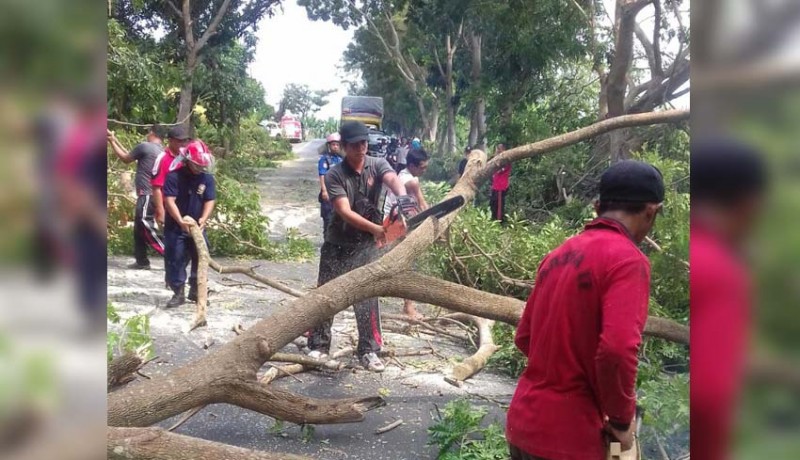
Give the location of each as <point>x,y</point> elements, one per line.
<point>498,204</point>
<point>144,230</point>
<point>335,261</point>
<point>519,454</point>
<point>326,212</point>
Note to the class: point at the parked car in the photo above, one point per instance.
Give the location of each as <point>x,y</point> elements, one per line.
<point>272,128</point>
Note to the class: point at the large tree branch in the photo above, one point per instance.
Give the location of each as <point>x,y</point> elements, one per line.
<point>160,444</point>
<point>174,8</point>
<point>188,31</point>
<point>212,28</point>
<point>657,36</point>
<point>288,406</point>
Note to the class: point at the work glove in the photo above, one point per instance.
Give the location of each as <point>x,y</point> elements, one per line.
<point>407,205</point>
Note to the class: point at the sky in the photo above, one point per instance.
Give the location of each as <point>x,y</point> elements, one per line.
<point>294,49</point>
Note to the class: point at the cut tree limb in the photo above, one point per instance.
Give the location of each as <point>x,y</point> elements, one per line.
<point>202,272</point>
<point>159,444</point>
<point>250,271</point>
<point>121,369</point>
<point>475,363</point>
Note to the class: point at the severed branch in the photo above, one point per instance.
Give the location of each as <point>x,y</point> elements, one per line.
<point>250,271</point>
<point>159,444</point>
<point>202,272</point>
<point>475,363</point>
<point>121,369</point>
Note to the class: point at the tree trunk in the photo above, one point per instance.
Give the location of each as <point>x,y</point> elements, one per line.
<point>185,107</point>
<point>479,109</point>
<point>450,98</point>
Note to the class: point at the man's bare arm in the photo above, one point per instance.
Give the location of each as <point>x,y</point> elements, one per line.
<point>391,180</point>
<point>414,189</point>
<point>121,153</point>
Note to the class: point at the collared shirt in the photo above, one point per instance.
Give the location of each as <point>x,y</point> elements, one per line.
<point>360,189</point>
<point>191,192</point>
<point>581,330</point>
<point>327,161</point>
<point>163,165</point>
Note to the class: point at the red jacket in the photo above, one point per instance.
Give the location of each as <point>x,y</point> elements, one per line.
<point>161,167</point>
<point>581,331</point>
<point>500,178</point>
<point>720,316</point>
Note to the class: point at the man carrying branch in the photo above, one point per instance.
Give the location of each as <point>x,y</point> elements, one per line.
<point>582,327</point>
<point>354,188</point>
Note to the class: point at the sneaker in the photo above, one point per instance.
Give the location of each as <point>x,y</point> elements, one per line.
<point>138,266</point>
<point>318,355</point>
<point>371,362</point>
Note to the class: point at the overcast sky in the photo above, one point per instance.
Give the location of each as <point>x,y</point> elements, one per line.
<point>294,49</point>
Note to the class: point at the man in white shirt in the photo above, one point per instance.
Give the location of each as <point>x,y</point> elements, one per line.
<point>409,176</point>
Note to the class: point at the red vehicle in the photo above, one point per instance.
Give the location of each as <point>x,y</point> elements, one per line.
<point>291,128</point>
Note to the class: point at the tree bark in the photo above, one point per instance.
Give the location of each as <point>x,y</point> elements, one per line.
<point>159,444</point>
<point>479,109</point>
<point>122,368</point>
<point>486,347</point>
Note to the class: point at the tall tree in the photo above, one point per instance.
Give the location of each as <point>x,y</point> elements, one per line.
<point>386,21</point>
<point>301,100</point>
<point>193,27</point>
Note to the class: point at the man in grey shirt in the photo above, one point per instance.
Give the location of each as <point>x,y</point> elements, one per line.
<point>144,227</point>
<point>354,188</point>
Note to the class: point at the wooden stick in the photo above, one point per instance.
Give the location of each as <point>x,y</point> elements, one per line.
<point>389,427</point>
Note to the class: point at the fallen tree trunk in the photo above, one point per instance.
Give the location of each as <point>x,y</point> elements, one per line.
<point>230,373</point>
<point>202,273</point>
<point>159,444</point>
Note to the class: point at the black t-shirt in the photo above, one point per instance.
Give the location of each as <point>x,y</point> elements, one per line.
<point>462,165</point>
<point>362,192</point>
<point>145,155</point>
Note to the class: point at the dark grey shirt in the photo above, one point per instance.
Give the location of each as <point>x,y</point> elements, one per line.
<point>145,155</point>
<point>363,191</point>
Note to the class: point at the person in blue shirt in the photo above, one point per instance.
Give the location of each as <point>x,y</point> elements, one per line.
<point>330,158</point>
<point>188,191</point>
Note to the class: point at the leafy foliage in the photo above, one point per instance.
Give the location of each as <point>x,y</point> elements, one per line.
<point>133,335</point>
<point>458,434</point>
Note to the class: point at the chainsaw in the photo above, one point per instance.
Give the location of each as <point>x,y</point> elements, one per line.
<point>398,223</point>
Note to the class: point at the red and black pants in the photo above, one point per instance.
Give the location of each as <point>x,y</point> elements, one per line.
<point>498,204</point>
<point>145,234</point>
<point>335,261</point>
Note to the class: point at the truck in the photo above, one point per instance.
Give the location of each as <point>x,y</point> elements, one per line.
<point>292,128</point>
<point>366,109</point>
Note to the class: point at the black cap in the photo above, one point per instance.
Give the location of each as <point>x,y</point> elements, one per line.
<point>353,131</point>
<point>632,181</point>
<point>724,170</point>
<point>178,132</point>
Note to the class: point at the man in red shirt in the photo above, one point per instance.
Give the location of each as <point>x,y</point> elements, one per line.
<point>582,327</point>
<point>727,185</point>
<point>500,188</point>
<point>177,138</point>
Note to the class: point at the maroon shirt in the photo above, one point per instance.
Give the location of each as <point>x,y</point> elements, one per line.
<point>581,331</point>
<point>720,316</point>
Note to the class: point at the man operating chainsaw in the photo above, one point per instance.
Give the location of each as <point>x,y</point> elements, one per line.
<point>354,188</point>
